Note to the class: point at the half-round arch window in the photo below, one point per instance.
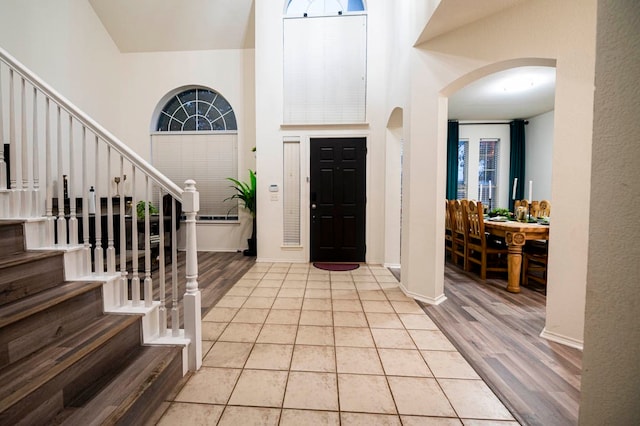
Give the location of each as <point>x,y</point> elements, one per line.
<point>196,110</point>
<point>322,7</point>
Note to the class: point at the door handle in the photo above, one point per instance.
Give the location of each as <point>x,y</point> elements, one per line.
<point>313,206</point>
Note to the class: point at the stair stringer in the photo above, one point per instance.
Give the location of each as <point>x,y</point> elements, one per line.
<point>35,232</point>
<point>150,316</point>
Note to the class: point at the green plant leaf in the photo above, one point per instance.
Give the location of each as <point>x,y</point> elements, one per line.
<point>245,192</point>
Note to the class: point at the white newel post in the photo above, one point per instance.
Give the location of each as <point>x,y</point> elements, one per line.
<point>192,313</point>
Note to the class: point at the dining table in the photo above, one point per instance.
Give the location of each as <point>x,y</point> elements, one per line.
<point>515,234</point>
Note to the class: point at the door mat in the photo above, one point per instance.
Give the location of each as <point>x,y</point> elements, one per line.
<point>336,266</point>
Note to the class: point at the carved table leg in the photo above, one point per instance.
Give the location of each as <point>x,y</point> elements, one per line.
<point>515,241</point>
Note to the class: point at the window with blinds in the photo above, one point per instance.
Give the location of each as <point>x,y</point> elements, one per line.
<point>291,192</point>
<point>325,61</point>
<point>196,138</point>
<point>463,168</point>
<point>488,169</point>
<point>207,158</point>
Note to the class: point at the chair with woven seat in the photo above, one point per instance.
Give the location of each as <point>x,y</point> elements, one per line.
<point>460,232</point>
<point>490,257</point>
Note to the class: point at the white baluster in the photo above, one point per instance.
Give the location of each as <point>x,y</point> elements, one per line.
<point>175,312</point>
<point>111,250</point>
<point>14,201</point>
<point>135,279</point>
<point>148,283</point>
<point>3,164</point>
<point>85,205</point>
<point>73,220</point>
<point>48,201</point>
<point>35,204</point>
<point>61,223</point>
<point>25,196</point>
<point>98,254</point>
<point>192,301</point>
<point>162,313</point>
<point>124,284</point>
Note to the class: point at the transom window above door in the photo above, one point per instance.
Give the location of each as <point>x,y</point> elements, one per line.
<point>322,7</point>
<point>196,110</point>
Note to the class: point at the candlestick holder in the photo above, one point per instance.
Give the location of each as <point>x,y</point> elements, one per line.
<point>489,204</point>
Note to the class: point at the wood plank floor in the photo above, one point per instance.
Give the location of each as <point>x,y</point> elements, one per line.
<point>217,272</point>
<point>498,334</point>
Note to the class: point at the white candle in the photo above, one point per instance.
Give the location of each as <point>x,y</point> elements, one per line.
<point>530,191</point>
<point>480,192</point>
<point>489,189</point>
<point>515,185</point>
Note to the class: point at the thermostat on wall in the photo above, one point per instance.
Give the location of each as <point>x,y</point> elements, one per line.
<point>273,188</point>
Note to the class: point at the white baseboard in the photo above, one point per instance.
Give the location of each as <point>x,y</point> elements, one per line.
<point>392,265</point>
<point>431,301</point>
<point>563,340</point>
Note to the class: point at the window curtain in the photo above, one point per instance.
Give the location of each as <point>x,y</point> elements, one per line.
<point>516,164</point>
<point>453,133</point>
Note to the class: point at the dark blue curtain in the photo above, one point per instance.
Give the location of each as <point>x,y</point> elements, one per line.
<point>452,160</point>
<point>516,165</point>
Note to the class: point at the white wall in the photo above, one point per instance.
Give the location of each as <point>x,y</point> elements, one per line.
<point>65,44</point>
<point>150,76</point>
<point>539,155</point>
<point>611,362</point>
<point>270,133</point>
<point>473,133</point>
<point>533,32</point>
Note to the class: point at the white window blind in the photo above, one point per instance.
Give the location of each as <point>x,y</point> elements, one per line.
<point>206,158</point>
<point>488,169</point>
<point>291,192</point>
<point>325,63</point>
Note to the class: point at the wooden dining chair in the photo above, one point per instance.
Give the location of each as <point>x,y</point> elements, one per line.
<point>534,267</point>
<point>545,208</point>
<point>534,209</point>
<point>490,257</point>
<point>460,232</point>
<point>535,256</point>
<point>448,229</point>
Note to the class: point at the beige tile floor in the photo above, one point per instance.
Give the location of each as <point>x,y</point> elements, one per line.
<point>290,344</point>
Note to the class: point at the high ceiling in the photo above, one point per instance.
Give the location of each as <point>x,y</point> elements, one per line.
<point>516,93</point>
<point>522,92</point>
<point>176,25</point>
<point>179,25</point>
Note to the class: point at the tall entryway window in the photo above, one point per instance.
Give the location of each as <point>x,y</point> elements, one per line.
<point>338,199</point>
<point>196,137</point>
<point>325,62</point>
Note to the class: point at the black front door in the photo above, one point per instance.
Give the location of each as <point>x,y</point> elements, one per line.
<point>338,199</point>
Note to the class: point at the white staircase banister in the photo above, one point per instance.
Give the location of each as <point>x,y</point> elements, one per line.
<point>96,128</point>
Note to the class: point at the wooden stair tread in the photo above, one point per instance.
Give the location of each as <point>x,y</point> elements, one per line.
<point>22,258</point>
<point>25,377</point>
<point>38,302</point>
<point>120,395</point>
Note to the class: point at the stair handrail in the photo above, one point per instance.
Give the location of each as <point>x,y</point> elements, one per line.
<point>91,124</point>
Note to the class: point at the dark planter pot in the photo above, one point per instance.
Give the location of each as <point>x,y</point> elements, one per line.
<point>252,250</point>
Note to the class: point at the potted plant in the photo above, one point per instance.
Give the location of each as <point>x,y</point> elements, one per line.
<point>246,193</point>
<point>141,206</point>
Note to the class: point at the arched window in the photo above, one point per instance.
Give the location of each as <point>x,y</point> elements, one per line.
<point>196,110</point>
<point>322,7</point>
<point>195,137</point>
